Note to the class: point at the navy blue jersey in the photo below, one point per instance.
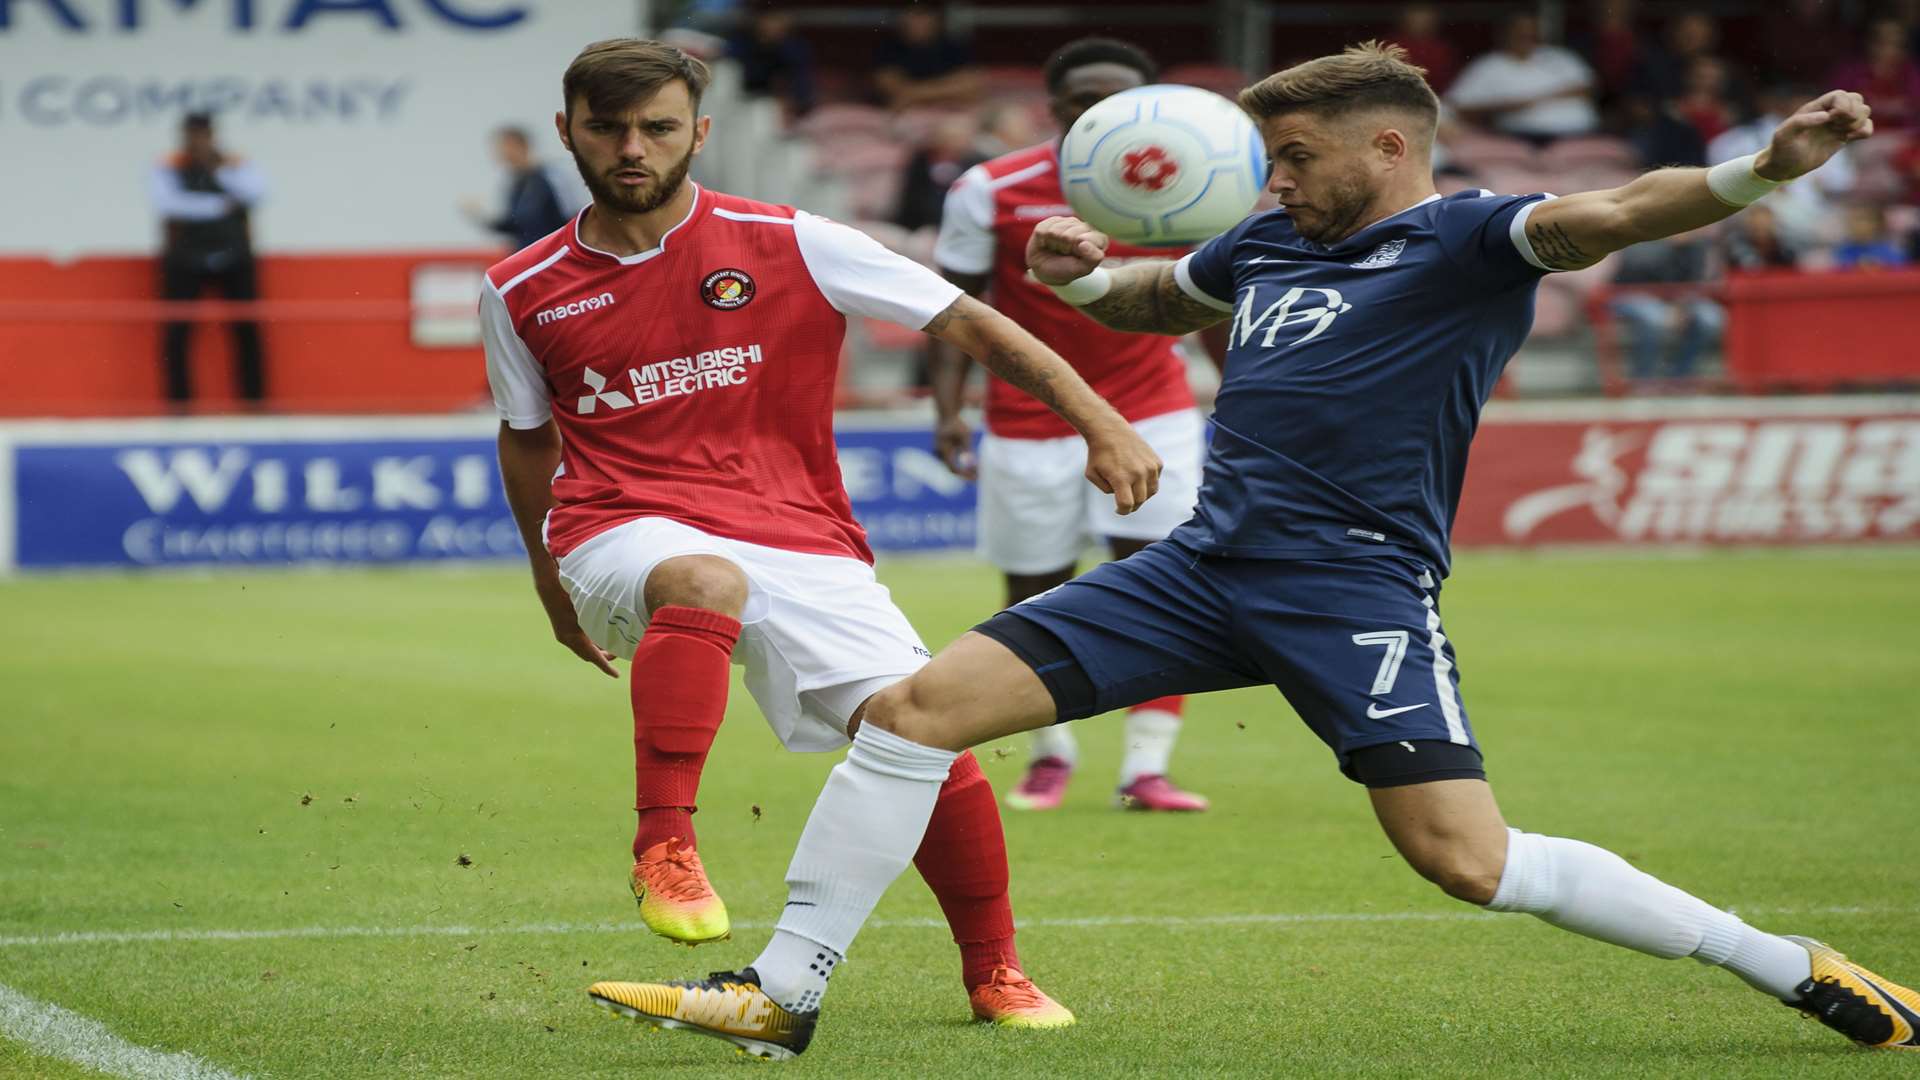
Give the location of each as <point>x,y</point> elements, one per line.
<point>1355,375</point>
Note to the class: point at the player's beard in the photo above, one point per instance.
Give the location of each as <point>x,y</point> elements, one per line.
<point>1336,214</point>
<point>623,199</point>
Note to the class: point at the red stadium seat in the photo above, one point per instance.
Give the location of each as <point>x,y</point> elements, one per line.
<point>1569,154</point>
<point>1220,78</point>
<point>1477,150</point>
<point>829,121</point>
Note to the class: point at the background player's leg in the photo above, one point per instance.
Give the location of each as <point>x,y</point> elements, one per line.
<point>1152,728</point>
<point>679,685</point>
<point>1451,832</point>
<point>1055,752</point>
<point>177,282</point>
<point>873,813</point>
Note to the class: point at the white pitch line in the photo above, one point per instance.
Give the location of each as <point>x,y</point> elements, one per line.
<point>1168,922</point>
<point>62,1033</point>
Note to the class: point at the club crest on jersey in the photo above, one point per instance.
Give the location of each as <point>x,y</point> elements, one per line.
<point>727,289</point>
<point>1385,255</point>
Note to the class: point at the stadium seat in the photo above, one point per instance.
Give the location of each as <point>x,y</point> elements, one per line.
<point>832,121</point>
<point>861,155</point>
<point>1568,154</point>
<point>1014,81</point>
<point>1473,149</point>
<point>1556,313</point>
<point>914,126</point>
<point>1222,79</point>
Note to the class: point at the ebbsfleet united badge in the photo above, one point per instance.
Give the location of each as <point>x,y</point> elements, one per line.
<point>727,289</point>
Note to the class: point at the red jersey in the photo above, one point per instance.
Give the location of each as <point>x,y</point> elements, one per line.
<point>695,381</point>
<point>991,211</point>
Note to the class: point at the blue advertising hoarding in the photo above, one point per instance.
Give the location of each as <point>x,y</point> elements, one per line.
<point>251,492</point>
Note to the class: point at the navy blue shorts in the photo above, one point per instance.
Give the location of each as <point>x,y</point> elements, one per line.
<point>1354,644</point>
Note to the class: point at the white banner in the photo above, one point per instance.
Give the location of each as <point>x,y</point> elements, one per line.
<point>370,117</point>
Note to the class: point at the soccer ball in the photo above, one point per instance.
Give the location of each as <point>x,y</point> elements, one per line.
<point>1163,166</point>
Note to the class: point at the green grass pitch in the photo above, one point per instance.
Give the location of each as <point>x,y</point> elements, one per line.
<point>311,756</point>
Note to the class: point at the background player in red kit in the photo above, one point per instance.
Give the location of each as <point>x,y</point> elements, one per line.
<point>664,367</point>
<point>1037,512</point>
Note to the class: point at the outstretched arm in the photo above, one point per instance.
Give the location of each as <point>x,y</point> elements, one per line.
<point>1576,231</point>
<point>1119,462</point>
<point>1140,297</point>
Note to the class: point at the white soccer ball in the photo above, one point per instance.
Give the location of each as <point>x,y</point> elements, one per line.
<point>1163,166</point>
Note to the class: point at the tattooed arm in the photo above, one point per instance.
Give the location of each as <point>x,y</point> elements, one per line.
<point>1144,298</point>
<point>1579,230</point>
<point>1119,462</point>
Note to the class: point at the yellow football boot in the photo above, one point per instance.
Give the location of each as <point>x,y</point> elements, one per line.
<point>725,1005</point>
<point>1010,999</point>
<point>676,900</point>
<point>1857,1003</point>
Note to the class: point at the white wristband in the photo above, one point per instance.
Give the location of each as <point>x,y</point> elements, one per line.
<point>1736,184</point>
<point>1082,291</point>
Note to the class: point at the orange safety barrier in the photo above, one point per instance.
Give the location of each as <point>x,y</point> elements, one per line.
<point>82,338</point>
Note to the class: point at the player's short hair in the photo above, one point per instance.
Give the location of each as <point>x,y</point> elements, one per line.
<point>619,73</point>
<point>1371,75</point>
<point>1097,50</point>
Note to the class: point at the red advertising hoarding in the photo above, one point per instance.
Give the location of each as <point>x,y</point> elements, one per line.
<point>1808,470</point>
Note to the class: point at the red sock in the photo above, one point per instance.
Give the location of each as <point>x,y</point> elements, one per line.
<point>1175,704</point>
<point>964,861</point>
<point>679,687</point>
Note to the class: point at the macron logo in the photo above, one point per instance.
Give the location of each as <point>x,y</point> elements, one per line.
<point>577,307</point>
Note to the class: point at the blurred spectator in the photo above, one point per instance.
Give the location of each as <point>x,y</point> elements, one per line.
<point>1418,32</point>
<point>1660,137</point>
<point>919,64</point>
<point>534,205</point>
<point>1808,208</point>
<point>1005,128</point>
<point>203,196</point>
<point>1663,72</point>
<point>1525,88</point>
<point>1704,102</point>
<point>1610,45</point>
<point>1751,241</point>
<point>1886,75</point>
<point>1667,329</point>
<point>1803,42</point>
<point>933,168</point>
<point>1906,165</point>
<point>1868,244</point>
<point>775,62</point>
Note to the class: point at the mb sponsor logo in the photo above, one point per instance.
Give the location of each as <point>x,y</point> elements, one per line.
<point>1302,307</point>
<point>1733,480</point>
<point>575,307</point>
<point>712,369</point>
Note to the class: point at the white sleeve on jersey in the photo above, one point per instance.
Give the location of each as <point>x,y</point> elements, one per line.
<point>1517,232</point>
<point>859,276</point>
<point>519,387</point>
<point>965,244</point>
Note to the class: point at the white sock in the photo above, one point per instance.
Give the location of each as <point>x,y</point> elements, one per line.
<point>1056,741</point>
<point>796,971</point>
<point>1593,892</point>
<point>864,829</point>
<point>1150,735</point>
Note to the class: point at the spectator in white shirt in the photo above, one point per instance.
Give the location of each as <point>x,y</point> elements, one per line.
<point>1536,91</point>
<point>203,196</point>
<point>1807,209</point>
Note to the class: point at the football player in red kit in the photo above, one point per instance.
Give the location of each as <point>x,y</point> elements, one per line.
<point>1037,513</point>
<point>664,368</point>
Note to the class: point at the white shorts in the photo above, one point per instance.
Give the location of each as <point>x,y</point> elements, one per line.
<point>819,634</point>
<point>1038,512</point>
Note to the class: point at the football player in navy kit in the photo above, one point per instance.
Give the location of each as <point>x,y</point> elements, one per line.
<point>1370,319</point>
